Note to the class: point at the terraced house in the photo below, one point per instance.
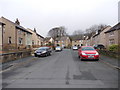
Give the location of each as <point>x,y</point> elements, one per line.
<point>37,39</point>
<point>15,36</point>
<point>100,36</point>
<point>113,35</point>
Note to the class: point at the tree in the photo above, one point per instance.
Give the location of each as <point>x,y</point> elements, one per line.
<point>93,29</point>
<point>78,34</point>
<point>57,32</point>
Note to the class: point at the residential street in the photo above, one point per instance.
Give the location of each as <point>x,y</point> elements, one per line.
<point>61,70</point>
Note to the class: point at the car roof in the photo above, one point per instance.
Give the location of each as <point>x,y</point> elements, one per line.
<point>43,47</point>
<point>86,46</point>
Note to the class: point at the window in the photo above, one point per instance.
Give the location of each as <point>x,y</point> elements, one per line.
<point>111,34</point>
<point>19,32</point>
<point>32,42</point>
<point>38,42</point>
<point>9,40</point>
<point>111,41</point>
<point>20,40</point>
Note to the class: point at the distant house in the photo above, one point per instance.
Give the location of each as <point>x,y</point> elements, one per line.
<point>14,35</point>
<point>76,41</point>
<point>37,39</point>
<point>113,35</point>
<point>63,41</point>
<point>48,40</point>
<point>1,35</point>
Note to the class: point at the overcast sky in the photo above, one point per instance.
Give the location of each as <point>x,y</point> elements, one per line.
<point>73,14</point>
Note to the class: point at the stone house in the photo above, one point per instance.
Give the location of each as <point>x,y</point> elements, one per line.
<point>77,42</point>
<point>100,36</point>
<point>48,40</point>
<point>14,35</point>
<point>63,41</point>
<point>113,35</point>
<point>37,39</point>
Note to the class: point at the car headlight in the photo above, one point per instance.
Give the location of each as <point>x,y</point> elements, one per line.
<point>97,53</point>
<point>83,53</point>
<point>44,52</point>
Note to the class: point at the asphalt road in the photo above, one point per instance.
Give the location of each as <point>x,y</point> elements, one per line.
<point>61,70</point>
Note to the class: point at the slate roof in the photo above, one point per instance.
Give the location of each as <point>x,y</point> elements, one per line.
<point>116,27</point>
<point>47,38</point>
<point>61,38</point>
<point>39,35</point>
<point>18,26</point>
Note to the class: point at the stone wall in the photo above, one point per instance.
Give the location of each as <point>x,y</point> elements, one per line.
<point>6,57</point>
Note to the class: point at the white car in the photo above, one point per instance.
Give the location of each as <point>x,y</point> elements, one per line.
<point>75,48</point>
<point>58,48</point>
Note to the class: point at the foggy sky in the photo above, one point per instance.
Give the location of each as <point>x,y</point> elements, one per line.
<point>73,14</point>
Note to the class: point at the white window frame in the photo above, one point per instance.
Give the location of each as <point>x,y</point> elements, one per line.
<point>9,40</point>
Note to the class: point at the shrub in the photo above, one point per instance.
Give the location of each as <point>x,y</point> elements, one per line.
<point>113,48</point>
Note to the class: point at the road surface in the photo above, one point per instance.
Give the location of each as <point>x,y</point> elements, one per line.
<point>61,70</point>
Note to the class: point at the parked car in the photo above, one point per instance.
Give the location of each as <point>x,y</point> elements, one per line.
<point>99,46</point>
<point>75,48</point>
<point>88,52</point>
<point>58,48</point>
<point>43,51</point>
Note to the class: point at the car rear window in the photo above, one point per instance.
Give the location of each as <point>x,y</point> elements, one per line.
<point>87,48</point>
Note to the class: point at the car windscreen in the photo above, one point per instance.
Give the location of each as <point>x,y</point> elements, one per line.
<point>58,47</point>
<point>42,49</point>
<point>87,48</point>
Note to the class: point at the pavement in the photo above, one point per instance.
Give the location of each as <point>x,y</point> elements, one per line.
<point>60,70</point>
<point>113,62</point>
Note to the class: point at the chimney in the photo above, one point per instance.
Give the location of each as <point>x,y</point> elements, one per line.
<point>34,30</point>
<point>17,21</point>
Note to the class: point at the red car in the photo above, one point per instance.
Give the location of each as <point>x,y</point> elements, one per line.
<point>88,52</point>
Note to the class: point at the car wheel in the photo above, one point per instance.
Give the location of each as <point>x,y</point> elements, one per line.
<point>46,55</point>
<point>81,59</point>
<point>35,55</point>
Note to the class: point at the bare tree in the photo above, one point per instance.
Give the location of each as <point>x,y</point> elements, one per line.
<point>77,34</point>
<point>93,29</point>
<point>57,32</point>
